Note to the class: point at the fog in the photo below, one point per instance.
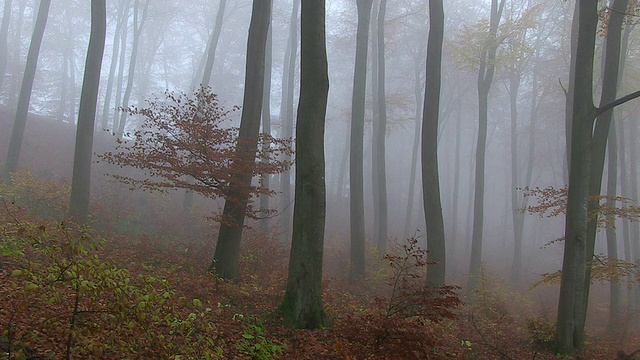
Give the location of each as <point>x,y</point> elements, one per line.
<point>171,55</point>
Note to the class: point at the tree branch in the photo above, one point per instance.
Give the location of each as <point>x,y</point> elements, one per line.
<point>610,105</point>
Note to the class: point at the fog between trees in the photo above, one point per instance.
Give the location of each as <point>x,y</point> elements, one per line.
<point>156,45</point>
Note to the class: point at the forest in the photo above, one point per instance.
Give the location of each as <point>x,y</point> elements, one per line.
<point>319,179</point>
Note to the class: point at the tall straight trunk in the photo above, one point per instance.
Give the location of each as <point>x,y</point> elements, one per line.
<point>17,41</point>
<point>81,178</point>
<point>356,148</point>
<point>375,110</point>
<point>17,134</point>
<point>138,25</point>
<point>266,126</point>
<point>451,249</point>
<point>302,305</point>
<point>417,95</point>
<point>516,269</point>
<point>516,265</point>
<point>626,228</point>
<point>569,328</point>
<point>570,92</point>
<point>635,226</point>
<point>106,107</point>
<point>430,178</point>
<point>68,66</point>
<point>601,132</point>
<point>121,67</point>
<point>379,139</point>
<point>227,254</point>
<point>486,72</point>
<point>615,290</point>
<point>4,33</point>
<point>286,115</point>
<point>213,43</point>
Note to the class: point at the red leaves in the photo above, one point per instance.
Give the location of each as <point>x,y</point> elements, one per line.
<point>188,142</point>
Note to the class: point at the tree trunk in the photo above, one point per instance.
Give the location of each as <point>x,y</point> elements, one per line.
<point>417,94</point>
<point>302,305</point>
<point>106,107</point>
<point>137,31</point>
<point>286,115</point>
<point>379,140</point>
<point>266,127</point>
<point>81,179</point>
<point>17,134</point>
<point>485,78</point>
<point>615,290</point>
<point>570,326</point>
<point>227,254</point>
<point>17,42</point>
<point>4,32</point>
<point>356,149</point>
<point>121,66</point>
<point>430,177</point>
<point>213,44</point>
<point>602,132</point>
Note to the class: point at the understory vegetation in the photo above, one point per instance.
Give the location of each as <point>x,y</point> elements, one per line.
<point>113,291</point>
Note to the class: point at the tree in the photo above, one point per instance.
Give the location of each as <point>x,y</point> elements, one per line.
<point>225,260</point>
<point>81,179</point>
<point>24,98</point>
<point>379,138</point>
<point>486,71</point>
<point>430,178</point>
<point>302,305</point>
<point>571,304</point>
<point>286,113</point>
<point>138,25</point>
<point>601,133</point>
<point>4,31</point>
<point>356,148</point>
<point>185,142</point>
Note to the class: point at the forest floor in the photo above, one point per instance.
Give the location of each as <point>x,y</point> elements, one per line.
<point>69,292</point>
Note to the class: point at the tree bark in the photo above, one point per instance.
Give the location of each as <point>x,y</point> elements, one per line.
<point>24,98</point>
<point>430,178</point>
<point>81,178</point>
<point>570,325</point>
<point>379,140</point>
<point>227,254</point>
<point>286,115</point>
<point>213,43</point>
<point>602,131</point>
<point>4,33</point>
<point>266,127</point>
<point>302,305</point>
<point>356,149</point>
<point>486,72</point>
<point>137,31</point>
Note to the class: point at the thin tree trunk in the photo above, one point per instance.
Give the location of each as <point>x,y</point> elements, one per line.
<point>430,178</point>
<point>121,66</point>
<point>106,107</point>
<point>615,290</point>
<point>137,31</point>
<point>213,43</point>
<point>379,139</point>
<point>4,32</point>
<point>286,116</point>
<point>227,254</point>
<point>17,42</point>
<point>266,126</point>
<point>17,134</point>
<point>485,78</point>
<point>356,149</point>
<point>81,179</point>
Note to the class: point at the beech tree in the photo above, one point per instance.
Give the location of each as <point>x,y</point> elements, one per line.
<point>24,98</point>
<point>356,148</point>
<point>186,142</point>
<point>302,305</point>
<point>572,305</point>
<point>225,259</point>
<point>81,179</point>
<point>430,178</point>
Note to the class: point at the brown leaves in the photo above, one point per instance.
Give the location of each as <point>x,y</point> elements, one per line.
<point>189,142</point>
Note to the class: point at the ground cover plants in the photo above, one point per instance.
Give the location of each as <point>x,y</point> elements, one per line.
<point>100,292</point>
